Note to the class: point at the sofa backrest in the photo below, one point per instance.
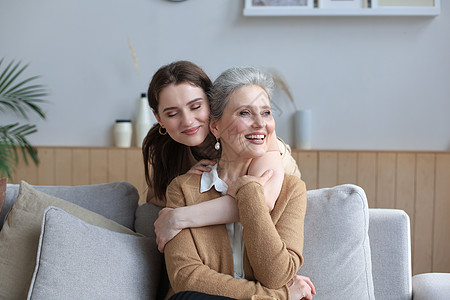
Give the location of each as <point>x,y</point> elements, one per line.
<point>336,245</point>
<point>390,244</point>
<point>116,200</point>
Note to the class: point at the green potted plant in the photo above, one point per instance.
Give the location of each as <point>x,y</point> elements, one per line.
<point>19,97</point>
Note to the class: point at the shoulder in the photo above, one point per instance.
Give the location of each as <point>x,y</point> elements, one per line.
<point>289,163</point>
<point>293,189</point>
<point>182,190</point>
<point>292,181</point>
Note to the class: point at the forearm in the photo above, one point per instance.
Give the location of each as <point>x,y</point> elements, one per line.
<point>269,161</point>
<point>279,244</point>
<point>221,210</point>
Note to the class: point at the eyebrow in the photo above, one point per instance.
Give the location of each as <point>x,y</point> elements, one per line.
<point>246,106</point>
<point>190,102</point>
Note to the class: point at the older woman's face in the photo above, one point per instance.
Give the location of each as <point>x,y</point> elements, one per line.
<point>246,123</point>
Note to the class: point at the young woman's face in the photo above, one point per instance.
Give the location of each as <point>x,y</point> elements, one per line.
<point>246,123</point>
<point>183,110</point>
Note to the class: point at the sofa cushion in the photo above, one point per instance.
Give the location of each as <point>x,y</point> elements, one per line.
<point>76,260</point>
<point>336,245</point>
<point>19,237</point>
<point>116,200</point>
<point>146,215</point>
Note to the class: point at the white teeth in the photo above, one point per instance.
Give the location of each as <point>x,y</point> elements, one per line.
<point>255,136</point>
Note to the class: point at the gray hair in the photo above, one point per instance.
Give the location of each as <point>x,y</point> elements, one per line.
<point>233,79</point>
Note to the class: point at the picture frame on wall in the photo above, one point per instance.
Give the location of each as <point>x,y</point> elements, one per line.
<point>279,4</point>
<point>343,4</point>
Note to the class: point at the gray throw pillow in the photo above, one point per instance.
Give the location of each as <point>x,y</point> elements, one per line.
<point>76,260</point>
<point>336,246</point>
<point>19,237</point>
<point>116,200</point>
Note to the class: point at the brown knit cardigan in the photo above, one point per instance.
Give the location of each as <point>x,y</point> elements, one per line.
<point>200,259</point>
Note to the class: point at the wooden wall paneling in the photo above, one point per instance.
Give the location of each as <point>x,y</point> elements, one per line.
<point>386,168</point>
<point>328,164</point>
<point>404,192</point>
<point>46,168</point>
<point>367,175</point>
<point>27,172</point>
<point>405,181</point>
<point>307,162</point>
<point>63,166</point>
<point>423,214</point>
<point>135,172</point>
<point>347,167</point>
<point>116,164</point>
<point>81,170</point>
<point>98,165</point>
<point>441,243</point>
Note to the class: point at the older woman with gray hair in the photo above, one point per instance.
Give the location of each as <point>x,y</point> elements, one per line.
<point>258,257</point>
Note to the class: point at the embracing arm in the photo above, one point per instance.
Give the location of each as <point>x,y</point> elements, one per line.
<point>171,221</point>
<point>281,243</point>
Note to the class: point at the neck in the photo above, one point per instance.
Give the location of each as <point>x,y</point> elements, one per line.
<point>205,149</point>
<point>231,169</point>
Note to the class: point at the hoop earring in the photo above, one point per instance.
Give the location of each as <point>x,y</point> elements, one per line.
<point>162,132</point>
<point>217,145</point>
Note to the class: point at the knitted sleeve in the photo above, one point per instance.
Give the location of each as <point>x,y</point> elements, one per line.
<point>274,242</point>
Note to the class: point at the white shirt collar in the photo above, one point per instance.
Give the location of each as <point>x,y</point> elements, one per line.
<point>211,179</point>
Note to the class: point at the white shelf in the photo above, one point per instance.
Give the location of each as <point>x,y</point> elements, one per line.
<point>255,11</point>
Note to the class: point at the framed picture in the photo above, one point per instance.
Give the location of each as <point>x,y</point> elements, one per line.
<point>276,7</point>
<point>342,3</point>
<point>407,3</point>
<point>294,3</point>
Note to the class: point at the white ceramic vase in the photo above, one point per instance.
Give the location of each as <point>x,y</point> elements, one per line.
<point>302,129</point>
<point>123,133</point>
<point>143,120</point>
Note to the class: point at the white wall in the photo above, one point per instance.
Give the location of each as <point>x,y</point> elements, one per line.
<point>371,82</point>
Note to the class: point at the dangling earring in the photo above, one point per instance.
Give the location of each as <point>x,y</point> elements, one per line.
<point>162,132</point>
<point>217,145</point>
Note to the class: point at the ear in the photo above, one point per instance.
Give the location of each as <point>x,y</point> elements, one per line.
<point>157,116</point>
<point>214,129</point>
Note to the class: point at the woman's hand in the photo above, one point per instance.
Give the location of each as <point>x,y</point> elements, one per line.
<point>166,227</point>
<point>301,288</point>
<point>241,181</point>
<point>202,166</point>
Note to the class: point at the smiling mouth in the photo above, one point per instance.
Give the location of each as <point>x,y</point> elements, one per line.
<point>255,137</point>
<point>191,131</point>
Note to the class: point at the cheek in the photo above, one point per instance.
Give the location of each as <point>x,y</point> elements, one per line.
<point>237,127</point>
<point>170,124</point>
<point>270,126</point>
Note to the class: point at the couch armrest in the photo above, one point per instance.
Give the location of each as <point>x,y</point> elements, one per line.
<point>434,286</point>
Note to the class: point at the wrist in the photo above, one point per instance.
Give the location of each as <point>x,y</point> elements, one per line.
<point>183,218</point>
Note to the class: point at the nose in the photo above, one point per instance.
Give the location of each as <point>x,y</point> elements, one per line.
<point>187,118</point>
<point>258,121</point>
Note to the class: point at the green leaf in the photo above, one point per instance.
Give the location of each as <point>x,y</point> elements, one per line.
<point>20,96</point>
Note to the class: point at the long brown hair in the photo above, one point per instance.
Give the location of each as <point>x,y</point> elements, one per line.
<point>163,156</point>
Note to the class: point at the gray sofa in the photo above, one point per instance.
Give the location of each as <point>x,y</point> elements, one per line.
<point>96,242</point>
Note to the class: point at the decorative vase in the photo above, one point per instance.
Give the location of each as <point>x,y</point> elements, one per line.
<point>302,129</point>
<point>143,121</point>
<point>123,133</point>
